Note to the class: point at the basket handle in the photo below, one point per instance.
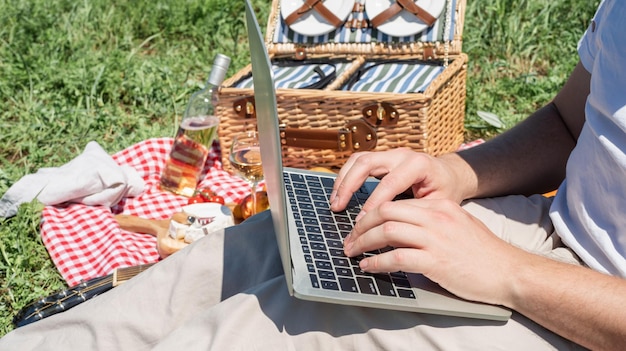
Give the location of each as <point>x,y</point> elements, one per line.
<point>357,135</point>
<point>397,7</point>
<point>316,5</point>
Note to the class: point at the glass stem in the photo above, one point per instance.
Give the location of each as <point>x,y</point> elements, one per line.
<point>253,192</point>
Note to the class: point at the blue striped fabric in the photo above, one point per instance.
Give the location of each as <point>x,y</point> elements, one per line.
<point>408,77</point>
<point>435,33</point>
<point>298,76</point>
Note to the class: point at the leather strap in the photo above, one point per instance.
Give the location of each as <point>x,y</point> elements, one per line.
<point>356,136</point>
<point>397,7</point>
<point>316,5</point>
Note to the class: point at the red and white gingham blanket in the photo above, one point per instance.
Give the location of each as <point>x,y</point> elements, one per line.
<point>86,242</point>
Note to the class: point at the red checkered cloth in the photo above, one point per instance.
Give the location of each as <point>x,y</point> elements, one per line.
<point>470,144</point>
<point>86,242</point>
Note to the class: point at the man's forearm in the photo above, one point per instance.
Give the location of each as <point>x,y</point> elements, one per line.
<point>575,302</point>
<point>529,158</point>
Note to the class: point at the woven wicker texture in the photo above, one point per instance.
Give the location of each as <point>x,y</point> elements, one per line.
<point>430,122</point>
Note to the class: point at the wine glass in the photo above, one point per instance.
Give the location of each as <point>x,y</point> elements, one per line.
<point>245,158</point>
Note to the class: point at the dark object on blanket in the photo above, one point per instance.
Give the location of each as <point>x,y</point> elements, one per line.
<point>66,299</point>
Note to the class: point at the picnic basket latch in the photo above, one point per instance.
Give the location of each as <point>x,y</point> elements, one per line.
<point>357,135</point>
<point>244,107</point>
<point>381,114</point>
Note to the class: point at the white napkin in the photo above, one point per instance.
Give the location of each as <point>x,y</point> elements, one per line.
<point>92,178</point>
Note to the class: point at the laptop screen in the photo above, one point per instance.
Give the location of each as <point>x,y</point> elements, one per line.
<point>267,123</point>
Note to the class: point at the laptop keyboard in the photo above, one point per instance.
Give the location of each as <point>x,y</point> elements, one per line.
<point>321,233</point>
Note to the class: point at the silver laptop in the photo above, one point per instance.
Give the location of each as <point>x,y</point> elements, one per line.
<point>310,236</point>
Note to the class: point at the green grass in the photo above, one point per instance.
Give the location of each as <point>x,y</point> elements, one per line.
<point>520,53</point>
<point>121,71</point>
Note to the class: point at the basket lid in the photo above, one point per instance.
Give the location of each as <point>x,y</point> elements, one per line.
<point>348,30</point>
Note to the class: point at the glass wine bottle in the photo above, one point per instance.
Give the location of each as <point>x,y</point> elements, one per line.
<point>197,131</point>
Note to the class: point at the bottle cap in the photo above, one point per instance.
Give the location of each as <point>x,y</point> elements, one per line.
<point>218,72</point>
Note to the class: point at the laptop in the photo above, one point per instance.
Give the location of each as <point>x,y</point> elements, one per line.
<point>310,236</point>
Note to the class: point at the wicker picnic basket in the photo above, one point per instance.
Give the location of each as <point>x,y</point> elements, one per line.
<point>323,127</point>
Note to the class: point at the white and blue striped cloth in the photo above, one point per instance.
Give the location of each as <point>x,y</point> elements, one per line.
<point>302,76</point>
<point>395,77</point>
<point>435,33</point>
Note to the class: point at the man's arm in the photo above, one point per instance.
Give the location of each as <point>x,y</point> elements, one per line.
<point>530,157</point>
<point>573,301</point>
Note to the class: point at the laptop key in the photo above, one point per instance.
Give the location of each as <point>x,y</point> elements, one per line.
<point>407,294</point>
<point>343,271</point>
<point>344,227</point>
<point>323,265</point>
<point>316,237</point>
<point>328,275</point>
<point>328,285</point>
<point>314,282</point>
<point>318,197</point>
<point>306,206</point>
<point>312,229</point>
<point>339,261</point>
<point>309,221</point>
<point>326,219</point>
<point>303,199</point>
<point>306,213</point>
<point>321,255</point>
<point>320,204</point>
<point>401,282</point>
<point>336,252</point>
<point>318,246</point>
<point>328,182</point>
<point>328,227</point>
<point>385,287</point>
<point>358,271</point>
<point>366,285</point>
<point>336,244</point>
<point>314,183</point>
<point>324,212</point>
<point>316,191</point>
<point>356,260</point>
<point>332,235</point>
<point>348,284</point>
<point>299,185</point>
<point>342,219</point>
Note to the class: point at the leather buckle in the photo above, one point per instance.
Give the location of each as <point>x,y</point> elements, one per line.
<point>363,137</point>
<point>381,114</point>
<point>244,107</point>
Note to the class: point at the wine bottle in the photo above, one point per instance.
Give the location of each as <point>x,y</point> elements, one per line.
<point>196,133</point>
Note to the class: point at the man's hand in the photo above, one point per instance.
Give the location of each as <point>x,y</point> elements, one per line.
<point>440,240</point>
<point>401,170</point>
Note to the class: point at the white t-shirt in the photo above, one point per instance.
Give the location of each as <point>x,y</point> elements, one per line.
<point>589,211</point>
